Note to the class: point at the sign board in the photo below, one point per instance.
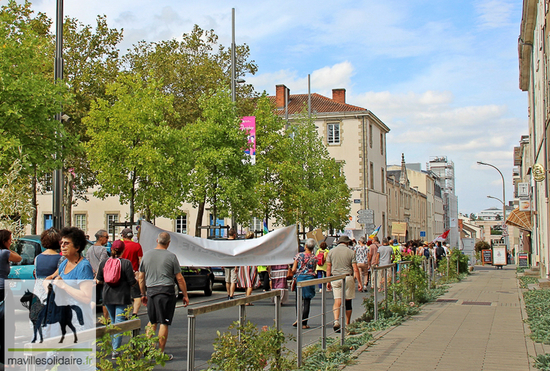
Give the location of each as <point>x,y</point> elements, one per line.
<point>248,123</point>
<point>399,229</point>
<point>316,234</point>
<point>487,256</point>
<point>366,212</point>
<point>422,233</point>
<point>524,205</point>
<point>523,189</point>
<point>523,259</point>
<point>499,255</point>
<point>356,200</point>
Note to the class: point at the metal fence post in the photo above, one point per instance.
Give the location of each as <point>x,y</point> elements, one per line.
<point>323,317</point>
<point>299,324</point>
<point>386,286</point>
<point>191,322</point>
<point>343,313</point>
<point>394,275</point>
<point>457,261</point>
<point>278,312</point>
<point>375,290</point>
<point>448,266</point>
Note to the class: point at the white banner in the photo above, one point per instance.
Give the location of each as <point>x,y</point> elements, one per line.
<point>277,247</point>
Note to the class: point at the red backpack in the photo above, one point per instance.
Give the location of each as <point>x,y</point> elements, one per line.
<point>321,257</point>
<point>111,271</point>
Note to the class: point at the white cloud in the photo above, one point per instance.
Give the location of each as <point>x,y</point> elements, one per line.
<point>494,13</point>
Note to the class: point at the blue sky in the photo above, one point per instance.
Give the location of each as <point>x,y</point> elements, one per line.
<point>442,75</point>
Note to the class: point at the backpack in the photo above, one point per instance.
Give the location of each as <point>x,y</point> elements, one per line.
<point>111,271</point>
<point>427,253</point>
<point>321,257</point>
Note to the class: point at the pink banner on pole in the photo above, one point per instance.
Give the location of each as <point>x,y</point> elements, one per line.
<point>248,123</point>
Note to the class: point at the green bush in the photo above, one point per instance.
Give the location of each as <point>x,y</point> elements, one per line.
<point>537,303</point>
<point>140,353</point>
<point>251,349</point>
<point>542,362</point>
<point>526,280</point>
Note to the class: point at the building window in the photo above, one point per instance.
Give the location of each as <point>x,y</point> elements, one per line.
<point>383,182</point>
<point>112,218</point>
<point>370,135</point>
<point>256,224</point>
<point>333,133</point>
<point>181,224</point>
<point>80,221</point>
<point>371,183</point>
<point>48,221</point>
<point>382,144</point>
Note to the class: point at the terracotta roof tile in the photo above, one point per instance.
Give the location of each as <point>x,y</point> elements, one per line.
<point>319,104</point>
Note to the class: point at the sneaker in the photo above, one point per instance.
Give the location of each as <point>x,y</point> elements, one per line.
<point>336,326</point>
<point>115,355</point>
<point>320,290</point>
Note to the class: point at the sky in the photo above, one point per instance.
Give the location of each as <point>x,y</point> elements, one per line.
<point>442,75</point>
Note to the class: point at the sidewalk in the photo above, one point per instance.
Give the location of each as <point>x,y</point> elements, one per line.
<point>476,325</point>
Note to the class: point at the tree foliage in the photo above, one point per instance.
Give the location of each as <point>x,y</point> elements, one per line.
<point>314,192</point>
<point>15,203</point>
<point>190,68</point>
<point>134,151</point>
<point>221,175</point>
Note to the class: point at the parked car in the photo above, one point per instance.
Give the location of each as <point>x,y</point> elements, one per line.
<point>29,247</point>
<point>198,278</point>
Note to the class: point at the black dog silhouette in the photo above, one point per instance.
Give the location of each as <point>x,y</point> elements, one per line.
<point>50,313</point>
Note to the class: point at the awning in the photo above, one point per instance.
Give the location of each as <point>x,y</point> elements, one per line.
<point>520,219</point>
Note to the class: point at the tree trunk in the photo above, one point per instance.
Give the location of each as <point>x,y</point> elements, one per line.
<point>34,215</point>
<point>200,214</point>
<point>132,197</point>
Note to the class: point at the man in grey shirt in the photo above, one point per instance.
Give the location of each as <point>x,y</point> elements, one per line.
<point>159,270</point>
<point>95,255</point>
<point>386,257</point>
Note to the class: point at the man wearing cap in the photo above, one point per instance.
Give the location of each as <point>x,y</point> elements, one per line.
<point>133,252</point>
<point>341,260</point>
<point>95,255</point>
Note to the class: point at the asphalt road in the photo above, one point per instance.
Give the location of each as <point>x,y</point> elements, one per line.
<point>261,314</point>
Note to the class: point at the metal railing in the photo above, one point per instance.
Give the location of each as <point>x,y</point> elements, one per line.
<point>192,313</point>
<point>314,282</point>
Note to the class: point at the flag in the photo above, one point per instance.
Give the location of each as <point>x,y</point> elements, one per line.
<point>375,232</point>
<point>443,237</point>
<point>266,231</point>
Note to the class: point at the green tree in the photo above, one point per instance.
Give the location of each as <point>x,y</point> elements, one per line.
<point>271,150</point>
<point>134,151</point>
<point>314,192</point>
<point>91,61</point>
<point>29,98</point>
<point>191,68</point>
<point>221,175</point>
<point>15,200</point>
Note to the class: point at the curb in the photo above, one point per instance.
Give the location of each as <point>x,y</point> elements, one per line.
<point>529,343</point>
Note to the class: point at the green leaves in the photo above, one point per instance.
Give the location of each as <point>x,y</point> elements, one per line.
<point>134,151</point>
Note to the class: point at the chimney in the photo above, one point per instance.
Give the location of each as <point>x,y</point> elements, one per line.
<point>339,95</point>
<point>280,95</point>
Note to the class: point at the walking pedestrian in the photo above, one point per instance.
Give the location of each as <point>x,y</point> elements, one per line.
<point>158,270</point>
<point>134,253</point>
<point>321,262</point>
<point>96,254</point>
<point>231,277</point>
<point>304,269</point>
<point>341,260</point>
<point>248,274</point>
<point>386,256</point>
<point>361,255</point>
<point>116,296</point>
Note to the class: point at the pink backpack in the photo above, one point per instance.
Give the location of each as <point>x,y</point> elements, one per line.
<point>111,271</point>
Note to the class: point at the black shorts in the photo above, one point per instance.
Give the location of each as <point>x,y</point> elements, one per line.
<point>135,291</point>
<point>161,307</point>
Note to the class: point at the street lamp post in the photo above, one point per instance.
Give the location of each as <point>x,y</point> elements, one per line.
<point>503,196</point>
<point>57,189</point>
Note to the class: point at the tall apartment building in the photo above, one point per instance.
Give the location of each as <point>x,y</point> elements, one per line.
<point>445,171</point>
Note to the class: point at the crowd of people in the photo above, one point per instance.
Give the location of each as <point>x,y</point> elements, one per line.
<point>149,278</point>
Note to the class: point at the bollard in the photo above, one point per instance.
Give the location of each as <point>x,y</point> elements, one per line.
<point>191,342</point>
<point>386,286</point>
<point>323,317</point>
